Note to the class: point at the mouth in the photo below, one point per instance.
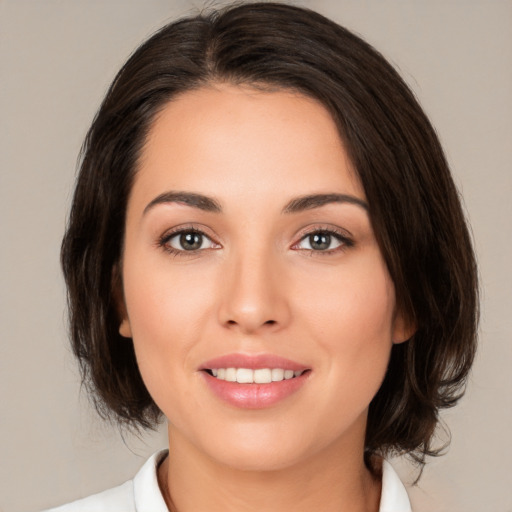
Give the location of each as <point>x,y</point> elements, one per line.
<point>254,376</point>
<point>251,381</point>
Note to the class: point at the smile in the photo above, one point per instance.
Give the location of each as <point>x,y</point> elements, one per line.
<point>250,376</point>
<point>254,381</point>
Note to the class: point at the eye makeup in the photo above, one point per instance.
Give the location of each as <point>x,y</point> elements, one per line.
<point>319,241</point>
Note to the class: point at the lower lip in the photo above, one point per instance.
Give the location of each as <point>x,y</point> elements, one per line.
<point>254,396</point>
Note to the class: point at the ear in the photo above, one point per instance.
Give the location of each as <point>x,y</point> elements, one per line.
<point>125,328</point>
<point>403,329</point>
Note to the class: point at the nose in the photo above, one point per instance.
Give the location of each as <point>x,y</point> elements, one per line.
<point>254,298</point>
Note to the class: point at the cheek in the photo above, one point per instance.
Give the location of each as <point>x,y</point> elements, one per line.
<point>355,301</point>
<point>350,317</point>
<point>167,312</point>
<point>161,300</point>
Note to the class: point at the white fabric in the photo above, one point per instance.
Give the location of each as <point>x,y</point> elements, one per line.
<point>393,496</point>
<point>142,494</point>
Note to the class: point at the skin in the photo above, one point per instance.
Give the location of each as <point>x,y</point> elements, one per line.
<point>255,286</point>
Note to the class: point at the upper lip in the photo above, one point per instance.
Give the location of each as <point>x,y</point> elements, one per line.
<point>252,361</point>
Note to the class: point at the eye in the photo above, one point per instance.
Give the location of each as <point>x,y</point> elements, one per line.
<point>323,241</point>
<point>189,240</point>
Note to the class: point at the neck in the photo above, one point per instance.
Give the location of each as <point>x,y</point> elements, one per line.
<point>335,480</point>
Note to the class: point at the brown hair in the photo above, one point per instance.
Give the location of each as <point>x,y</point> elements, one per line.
<point>413,203</point>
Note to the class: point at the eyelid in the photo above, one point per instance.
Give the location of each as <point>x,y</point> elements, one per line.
<point>345,238</point>
<point>179,234</point>
<point>163,240</point>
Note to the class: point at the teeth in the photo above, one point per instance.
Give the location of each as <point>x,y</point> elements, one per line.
<point>277,374</point>
<point>263,376</point>
<point>244,376</point>
<point>260,376</point>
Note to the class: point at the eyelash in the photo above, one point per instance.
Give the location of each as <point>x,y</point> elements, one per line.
<point>341,236</point>
<point>164,240</point>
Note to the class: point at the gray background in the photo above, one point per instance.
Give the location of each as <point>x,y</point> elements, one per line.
<point>56,61</point>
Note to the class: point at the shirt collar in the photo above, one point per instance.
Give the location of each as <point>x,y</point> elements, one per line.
<point>393,496</point>
<point>148,497</point>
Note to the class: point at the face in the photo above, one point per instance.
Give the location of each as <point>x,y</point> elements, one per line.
<point>260,307</point>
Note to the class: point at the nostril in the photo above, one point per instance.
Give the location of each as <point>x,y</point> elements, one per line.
<point>250,322</point>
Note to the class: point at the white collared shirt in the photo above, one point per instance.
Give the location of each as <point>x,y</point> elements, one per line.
<point>142,494</point>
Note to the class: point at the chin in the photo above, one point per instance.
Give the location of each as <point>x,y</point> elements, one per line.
<point>263,459</point>
<point>259,448</point>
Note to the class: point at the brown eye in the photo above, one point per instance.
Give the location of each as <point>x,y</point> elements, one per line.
<point>321,241</point>
<point>189,241</point>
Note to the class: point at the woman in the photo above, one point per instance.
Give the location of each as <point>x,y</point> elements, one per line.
<point>267,249</point>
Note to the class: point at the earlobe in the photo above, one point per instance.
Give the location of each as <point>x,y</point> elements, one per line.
<point>125,328</point>
<point>403,330</point>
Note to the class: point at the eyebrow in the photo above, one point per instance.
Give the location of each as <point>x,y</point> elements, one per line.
<point>200,201</point>
<point>296,205</point>
<point>309,202</point>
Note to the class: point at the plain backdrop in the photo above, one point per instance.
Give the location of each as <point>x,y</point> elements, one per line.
<point>57,58</point>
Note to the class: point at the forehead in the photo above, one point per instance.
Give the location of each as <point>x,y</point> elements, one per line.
<point>224,139</point>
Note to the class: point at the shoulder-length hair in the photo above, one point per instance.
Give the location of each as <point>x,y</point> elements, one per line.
<point>414,206</point>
